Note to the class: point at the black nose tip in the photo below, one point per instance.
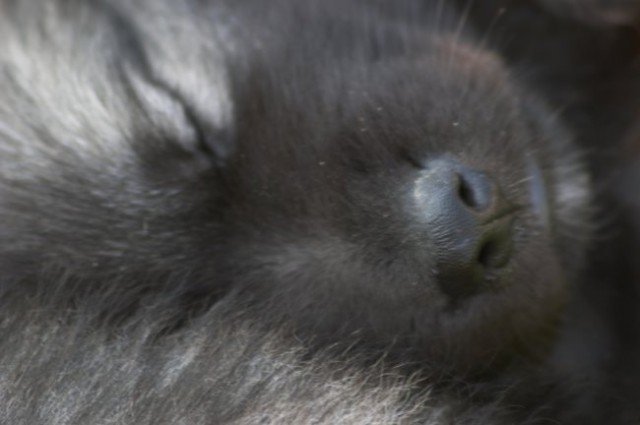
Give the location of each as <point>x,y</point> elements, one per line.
<point>470,224</point>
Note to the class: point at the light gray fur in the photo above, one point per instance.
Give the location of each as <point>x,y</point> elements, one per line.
<point>71,112</point>
<point>221,369</point>
<point>66,140</point>
<point>73,107</point>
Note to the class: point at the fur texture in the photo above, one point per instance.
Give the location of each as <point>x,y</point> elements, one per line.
<point>212,214</point>
<point>221,369</point>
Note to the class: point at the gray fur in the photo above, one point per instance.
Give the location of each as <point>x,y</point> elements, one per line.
<point>70,113</point>
<point>221,369</point>
<point>126,301</point>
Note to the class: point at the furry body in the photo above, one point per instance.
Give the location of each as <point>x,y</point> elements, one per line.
<point>173,175</point>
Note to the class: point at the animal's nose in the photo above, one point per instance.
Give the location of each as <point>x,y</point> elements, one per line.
<point>469,222</point>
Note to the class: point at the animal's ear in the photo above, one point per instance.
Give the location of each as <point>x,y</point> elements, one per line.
<point>177,70</point>
<point>175,118</point>
<point>597,12</point>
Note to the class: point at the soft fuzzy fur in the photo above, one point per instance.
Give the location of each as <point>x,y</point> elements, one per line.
<point>209,216</point>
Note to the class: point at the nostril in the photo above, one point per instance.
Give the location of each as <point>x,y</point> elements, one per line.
<point>488,255</point>
<point>495,252</point>
<point>470,224</point>
<point>475,190</point>
<point>465,192</point>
